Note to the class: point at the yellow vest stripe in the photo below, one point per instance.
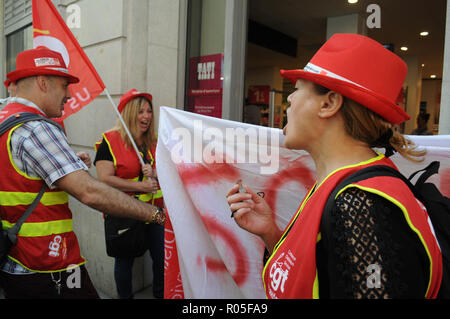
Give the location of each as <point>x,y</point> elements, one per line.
<point>42,228</point>
<point>316,286</point>
<point>18,198</point>
<point>48,271</point>
<point>8,146</point>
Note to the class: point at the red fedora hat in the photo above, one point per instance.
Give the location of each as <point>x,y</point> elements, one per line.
<point>40,61</point>
<point>360,69</point>
<point>131,95</point>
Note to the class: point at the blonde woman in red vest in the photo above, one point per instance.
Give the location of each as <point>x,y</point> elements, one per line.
<point>377,241</point>
<point>118,165</point>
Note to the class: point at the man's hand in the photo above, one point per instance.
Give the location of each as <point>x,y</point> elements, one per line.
<point>85,158</point>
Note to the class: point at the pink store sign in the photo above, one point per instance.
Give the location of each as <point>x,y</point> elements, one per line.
<point>205,85</point>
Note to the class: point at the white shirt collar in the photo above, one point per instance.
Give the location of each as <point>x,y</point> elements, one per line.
<point>25,102</point>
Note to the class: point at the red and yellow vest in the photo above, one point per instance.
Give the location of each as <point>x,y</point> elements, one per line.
<point>128,166</point>
<point>46,241</point>
<point>291,270</point>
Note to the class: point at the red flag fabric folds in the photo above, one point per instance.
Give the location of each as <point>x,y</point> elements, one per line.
<point>50,30</point>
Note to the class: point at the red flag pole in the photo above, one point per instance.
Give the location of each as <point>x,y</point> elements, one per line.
<point>124,125</point>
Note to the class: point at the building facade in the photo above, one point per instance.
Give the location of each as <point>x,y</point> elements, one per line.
<point>167,48</point>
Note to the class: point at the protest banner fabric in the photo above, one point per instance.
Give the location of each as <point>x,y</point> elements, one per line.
<point>207,254</point>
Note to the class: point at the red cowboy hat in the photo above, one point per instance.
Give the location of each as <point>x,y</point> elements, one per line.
<point>362,70</point>
<point>40,61</point>
<point>131,95</point>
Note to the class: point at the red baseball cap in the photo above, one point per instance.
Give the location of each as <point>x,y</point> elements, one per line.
<point>40,61</point>
<point>361,69</point>
<point>131,95</point>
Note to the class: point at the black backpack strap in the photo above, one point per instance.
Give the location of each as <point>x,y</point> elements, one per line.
<point>23,117</point>
<point>384,170</point>
<point>366,173</point>
<point>14,230</point>
<point>7,124</point>
<point>431,169</point>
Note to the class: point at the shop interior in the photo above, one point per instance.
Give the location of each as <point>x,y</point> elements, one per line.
<point>285,34</point>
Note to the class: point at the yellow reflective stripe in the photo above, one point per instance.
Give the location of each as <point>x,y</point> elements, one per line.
<point>151,157</point>
<point>22,198</point>
<point>284,236</point>
<point>149,196</point>
<point>158,194</point>
<point>42,228</point>
<point>47,271</point>
<point>408,220</point>
<point>110,150</point>
<point>8,144</point>
<point>316,286</point>
<point>373,159</point>
<point>145,197</point>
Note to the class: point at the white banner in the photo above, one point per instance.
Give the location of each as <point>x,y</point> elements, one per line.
<point>198,160</point>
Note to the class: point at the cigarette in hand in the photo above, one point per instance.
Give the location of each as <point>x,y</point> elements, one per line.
<point>241,187</point>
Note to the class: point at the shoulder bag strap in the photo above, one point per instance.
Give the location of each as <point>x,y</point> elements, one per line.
<point>9,123</point>
<point>13,231</point>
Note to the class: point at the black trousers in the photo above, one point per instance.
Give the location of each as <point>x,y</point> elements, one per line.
<point>75,284</point>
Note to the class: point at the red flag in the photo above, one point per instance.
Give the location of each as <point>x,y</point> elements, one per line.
<point>173,285</point>
<point>50,30</point>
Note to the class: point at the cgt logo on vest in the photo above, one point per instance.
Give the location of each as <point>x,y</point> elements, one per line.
<point>57,246</point>
<point>279,272</point>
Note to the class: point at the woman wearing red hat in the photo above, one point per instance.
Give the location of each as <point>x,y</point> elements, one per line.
<point>376,242</point>
<point>118,165</point>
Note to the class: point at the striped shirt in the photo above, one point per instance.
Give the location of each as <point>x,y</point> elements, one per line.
<point>40,149</point>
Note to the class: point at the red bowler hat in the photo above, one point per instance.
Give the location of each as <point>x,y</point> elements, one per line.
<point>360,69</point>
<point>40,61</point>
<point>131,95</point>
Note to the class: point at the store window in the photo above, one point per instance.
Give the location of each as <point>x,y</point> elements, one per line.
<point>17,42</point>
<point>205,56</point>
<point>17,33</point>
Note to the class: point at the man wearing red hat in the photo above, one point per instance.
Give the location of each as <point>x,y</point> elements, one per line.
<point>376,241</point>
<point>38,152</point>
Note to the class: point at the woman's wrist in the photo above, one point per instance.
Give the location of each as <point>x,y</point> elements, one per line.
<point>272,237</point>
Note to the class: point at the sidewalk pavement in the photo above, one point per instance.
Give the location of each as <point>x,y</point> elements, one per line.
<point>146,293</point>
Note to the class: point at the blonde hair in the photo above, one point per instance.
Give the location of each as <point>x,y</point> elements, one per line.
<point>366,126</point>
<point>129,115</point>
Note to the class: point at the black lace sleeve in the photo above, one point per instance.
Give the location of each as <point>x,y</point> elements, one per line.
<point>103,153</point>
<point>368,250</point>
